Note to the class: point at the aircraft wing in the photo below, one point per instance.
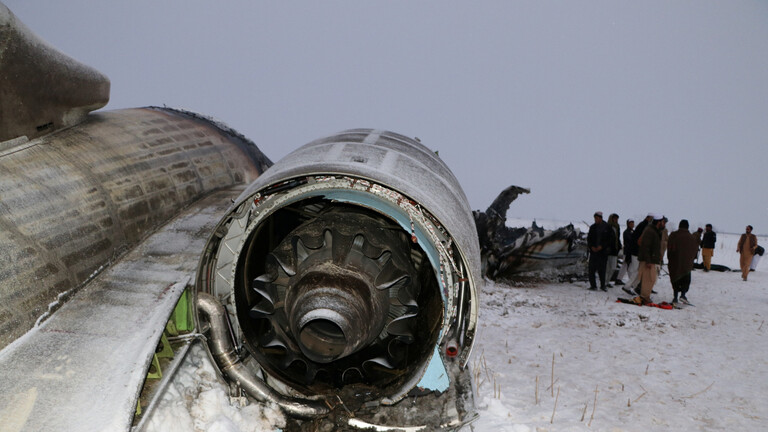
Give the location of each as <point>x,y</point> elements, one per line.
<point>83,368</point>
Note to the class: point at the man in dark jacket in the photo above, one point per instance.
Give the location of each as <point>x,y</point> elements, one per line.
<point>634,282</point>
<point>614,246</point>
<point>598,240</point>
<point>649,255</point>
<point>708,246</point>
<point>681,251</point>
<point>641,226</point>
<point>629,266</point>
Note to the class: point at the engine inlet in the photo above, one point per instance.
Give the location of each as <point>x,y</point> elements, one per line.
<point>337,285</point>
<point>345,270</point>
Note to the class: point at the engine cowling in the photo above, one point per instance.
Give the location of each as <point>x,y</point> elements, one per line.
<point>350,263</point>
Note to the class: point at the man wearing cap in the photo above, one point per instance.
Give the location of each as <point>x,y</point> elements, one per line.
<point>746,248</point>
<point>708,246</point>
<point>598,240</point>
<point>681,252</point>
<point>649,255</point>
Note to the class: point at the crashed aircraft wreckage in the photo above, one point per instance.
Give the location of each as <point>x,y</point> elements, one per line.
<point>509,253</point>
<point>335,283</point>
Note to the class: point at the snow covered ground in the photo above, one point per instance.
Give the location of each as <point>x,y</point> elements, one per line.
<point>556,357</point>
<point>197,401</point>
<point>620,367</point>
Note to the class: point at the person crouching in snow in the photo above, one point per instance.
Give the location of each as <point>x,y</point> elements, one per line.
<point>682,248</point>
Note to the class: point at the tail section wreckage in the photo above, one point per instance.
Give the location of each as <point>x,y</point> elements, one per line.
<point>509,253</point>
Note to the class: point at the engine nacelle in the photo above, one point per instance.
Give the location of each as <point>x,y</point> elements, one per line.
<point>347,274</point>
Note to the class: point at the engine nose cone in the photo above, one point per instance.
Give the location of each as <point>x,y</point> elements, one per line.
<point>335,312</point>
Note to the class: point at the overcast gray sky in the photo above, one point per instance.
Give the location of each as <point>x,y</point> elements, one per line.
<point>619,106</point>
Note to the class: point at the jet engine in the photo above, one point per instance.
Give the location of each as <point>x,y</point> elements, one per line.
<point>343,280</point>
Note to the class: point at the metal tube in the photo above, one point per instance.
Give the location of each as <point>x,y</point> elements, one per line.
<point>170,372</point>
<point>228,362</point>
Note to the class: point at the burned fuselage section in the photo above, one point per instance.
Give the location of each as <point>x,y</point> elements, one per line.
<point>509,253</point>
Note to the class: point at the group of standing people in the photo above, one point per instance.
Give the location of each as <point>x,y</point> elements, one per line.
<point>644,249</point>
<point>642,252</point>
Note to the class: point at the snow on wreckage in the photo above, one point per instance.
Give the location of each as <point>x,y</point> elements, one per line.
<point>341,281</point>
